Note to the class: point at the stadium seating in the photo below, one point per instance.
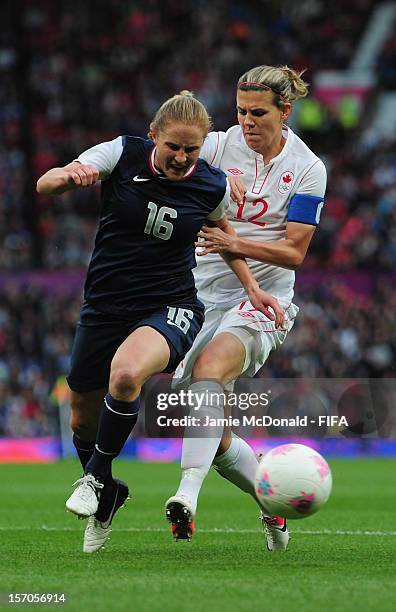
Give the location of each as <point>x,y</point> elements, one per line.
<point>69,81</point>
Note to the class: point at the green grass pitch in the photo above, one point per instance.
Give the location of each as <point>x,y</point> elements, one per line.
<point>341,559</point>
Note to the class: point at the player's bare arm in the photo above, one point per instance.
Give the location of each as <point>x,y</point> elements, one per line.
<point>58,180</point>
<point>261,300</point>
<point>288,253</point>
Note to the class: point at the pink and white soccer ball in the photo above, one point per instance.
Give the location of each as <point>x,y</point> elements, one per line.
<point>293,481</point>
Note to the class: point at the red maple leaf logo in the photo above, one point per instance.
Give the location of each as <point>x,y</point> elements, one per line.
<point>287,178</point>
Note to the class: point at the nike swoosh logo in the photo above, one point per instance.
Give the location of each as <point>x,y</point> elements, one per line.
<point>106,524</point>
<point>138,179</point>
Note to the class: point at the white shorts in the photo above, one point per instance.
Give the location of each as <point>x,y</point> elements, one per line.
<point>256,332</point>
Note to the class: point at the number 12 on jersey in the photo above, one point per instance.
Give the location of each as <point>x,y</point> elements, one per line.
<point>262,209</point>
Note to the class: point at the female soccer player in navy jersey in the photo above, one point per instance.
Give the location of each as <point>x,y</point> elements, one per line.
<point>140,313</point>
<point>279,186</point>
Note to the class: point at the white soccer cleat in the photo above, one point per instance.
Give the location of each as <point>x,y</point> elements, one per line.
<point>98,529</point>
<point>277,535</point>
<point>84,500</point>
<point>96,535</point>
<point>180,513</point>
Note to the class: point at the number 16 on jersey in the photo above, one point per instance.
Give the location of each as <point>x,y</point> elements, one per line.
<point>156,223</point>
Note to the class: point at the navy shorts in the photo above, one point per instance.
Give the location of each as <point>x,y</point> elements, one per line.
<point>99,335</point>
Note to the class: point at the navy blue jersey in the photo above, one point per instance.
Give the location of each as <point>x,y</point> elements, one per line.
<point>144,247</point>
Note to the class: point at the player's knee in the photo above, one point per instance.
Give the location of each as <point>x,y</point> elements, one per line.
<point>124,381</point>
<point>207,366</point>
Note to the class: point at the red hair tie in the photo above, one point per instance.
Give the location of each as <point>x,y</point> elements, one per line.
<point>264,87</point>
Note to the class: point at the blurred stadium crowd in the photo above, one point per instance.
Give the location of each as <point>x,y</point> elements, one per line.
<point>71,78</point>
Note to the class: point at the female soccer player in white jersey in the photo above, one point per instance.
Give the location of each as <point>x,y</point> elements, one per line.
<point>278,187</point>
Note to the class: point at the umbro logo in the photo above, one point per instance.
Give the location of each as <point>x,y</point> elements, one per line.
<point>234,171</point>
<point>140,179</point>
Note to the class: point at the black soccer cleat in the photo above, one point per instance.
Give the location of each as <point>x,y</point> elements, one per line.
<point>112,498</point>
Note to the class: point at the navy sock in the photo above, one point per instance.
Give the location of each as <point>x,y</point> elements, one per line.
<point>84,449</point>
<point>117,419</point>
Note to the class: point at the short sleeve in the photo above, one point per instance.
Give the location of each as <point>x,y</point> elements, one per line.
<point>307,203</point>
<point>211,147</point>
<point>104,156</point>
<point>313,182</point>
<point>221,209</point>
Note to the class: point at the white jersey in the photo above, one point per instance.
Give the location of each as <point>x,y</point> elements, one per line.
<point>264,215</point>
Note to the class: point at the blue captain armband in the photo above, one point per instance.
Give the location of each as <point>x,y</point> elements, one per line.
<point>305,209</point>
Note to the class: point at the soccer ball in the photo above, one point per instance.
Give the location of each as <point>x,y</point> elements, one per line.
<point>293,481</point>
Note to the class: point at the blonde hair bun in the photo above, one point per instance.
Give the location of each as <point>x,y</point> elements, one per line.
<point>186,93</point>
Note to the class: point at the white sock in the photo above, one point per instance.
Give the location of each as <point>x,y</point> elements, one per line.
<point>238,465</point>
<point>198,452</point>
